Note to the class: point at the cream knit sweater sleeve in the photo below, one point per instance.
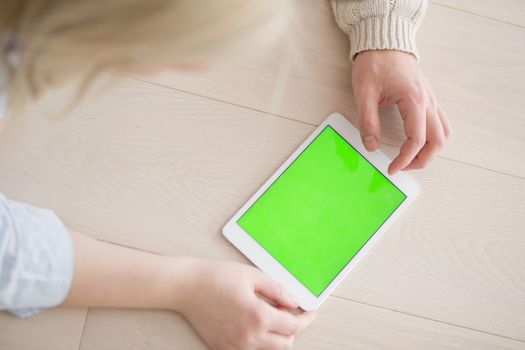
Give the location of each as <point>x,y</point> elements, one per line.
<point>380,24</point>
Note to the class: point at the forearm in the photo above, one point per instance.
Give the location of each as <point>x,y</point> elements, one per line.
<point>108,275</point>
<point>222,300</point>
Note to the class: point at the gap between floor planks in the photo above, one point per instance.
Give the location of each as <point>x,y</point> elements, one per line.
<point>337,297</point>
<point>81,338</point>
<point>303,122</point>
<point>477,15</point>
<point>312,124</point>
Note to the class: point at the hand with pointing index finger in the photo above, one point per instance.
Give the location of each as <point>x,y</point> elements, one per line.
<point>384,77</point>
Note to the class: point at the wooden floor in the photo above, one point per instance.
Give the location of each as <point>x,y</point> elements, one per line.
<point>161,163</point>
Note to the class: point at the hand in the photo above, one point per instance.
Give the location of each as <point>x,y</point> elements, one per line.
<point>385,77</point>
<point>225,302</point>
<point>224,306</point>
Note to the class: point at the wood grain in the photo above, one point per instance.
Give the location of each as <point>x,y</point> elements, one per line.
<point>138,330</point>
<point>474,65</point>
<point>341,325</point>
<point>161,164</point>
<point>460,251</point>
<point>509,11</point>
<point>50,330</point>
<point>162,170</point>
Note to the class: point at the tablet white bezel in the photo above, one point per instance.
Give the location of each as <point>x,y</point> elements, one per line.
<point>268,264</point>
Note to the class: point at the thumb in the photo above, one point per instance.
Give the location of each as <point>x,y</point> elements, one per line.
<point>272,290</point>
<point>369,126</point>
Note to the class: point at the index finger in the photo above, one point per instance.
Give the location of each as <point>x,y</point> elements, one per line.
<point>415,130</point>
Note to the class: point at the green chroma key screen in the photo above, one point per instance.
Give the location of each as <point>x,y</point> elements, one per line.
<point>321,211</point>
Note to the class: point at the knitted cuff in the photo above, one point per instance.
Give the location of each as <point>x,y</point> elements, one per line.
<point>376,33</point>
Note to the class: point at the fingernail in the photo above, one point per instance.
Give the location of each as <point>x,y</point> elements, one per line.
<point>370,142</point>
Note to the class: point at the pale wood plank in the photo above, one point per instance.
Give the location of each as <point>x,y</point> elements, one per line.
<point>341,324</point>
<point>475,66</point>
<point>51,330</point>
<point>510,11</point>
<point>470,263</point>
<point>163,147</point>
<point>349,325</point>
<point>304,76</point>
<point>163,171</point>
<point>457,256</point>
<point>138,330</point>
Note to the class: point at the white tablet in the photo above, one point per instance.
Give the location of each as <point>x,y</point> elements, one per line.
<point>320,212</point>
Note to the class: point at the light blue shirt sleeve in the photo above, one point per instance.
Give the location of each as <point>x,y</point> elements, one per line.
<point>36,258</point>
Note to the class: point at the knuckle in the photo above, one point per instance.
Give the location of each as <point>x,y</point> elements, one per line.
<point>244,339</point>
<point>432,102</point>
<point>257,318</point>
<point>440,142</point>
<point>418,97</point>
<point>291,330</point>
<point>419,141</point>
<point>448,132</point>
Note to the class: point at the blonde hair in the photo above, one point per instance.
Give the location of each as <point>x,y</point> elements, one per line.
<point>58,40</point>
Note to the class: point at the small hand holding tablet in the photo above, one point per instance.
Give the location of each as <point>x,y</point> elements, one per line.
<point>320,212</point>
